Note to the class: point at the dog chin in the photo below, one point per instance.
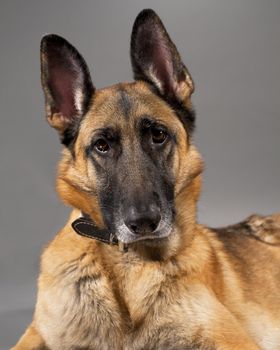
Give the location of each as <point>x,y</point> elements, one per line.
<point>125,236</point>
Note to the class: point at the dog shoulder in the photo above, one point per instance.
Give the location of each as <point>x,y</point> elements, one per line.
<point>74,286</point>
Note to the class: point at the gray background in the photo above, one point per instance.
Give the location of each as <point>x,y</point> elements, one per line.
<point>232,50</point>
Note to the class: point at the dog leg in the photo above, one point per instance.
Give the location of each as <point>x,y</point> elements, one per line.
<point>220,328</point>
<point>31,340</point>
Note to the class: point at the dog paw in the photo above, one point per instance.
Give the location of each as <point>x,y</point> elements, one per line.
<point>265,228</point>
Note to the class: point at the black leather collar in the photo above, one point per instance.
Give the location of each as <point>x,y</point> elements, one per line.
<point>86,227</point>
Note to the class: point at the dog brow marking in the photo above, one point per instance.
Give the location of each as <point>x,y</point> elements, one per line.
<point>125,103</point>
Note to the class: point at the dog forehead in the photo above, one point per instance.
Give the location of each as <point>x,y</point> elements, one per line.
<point>122,104</point>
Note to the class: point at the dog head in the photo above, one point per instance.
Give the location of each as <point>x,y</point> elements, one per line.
<point>128,156</point>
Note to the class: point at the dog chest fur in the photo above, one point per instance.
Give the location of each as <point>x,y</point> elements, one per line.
<point>88,300</point>
<point>82,300</point>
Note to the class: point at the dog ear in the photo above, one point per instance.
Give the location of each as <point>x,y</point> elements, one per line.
<point>155,58</point>
<point>66,83</point>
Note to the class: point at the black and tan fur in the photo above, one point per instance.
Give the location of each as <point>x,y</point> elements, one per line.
<point>130,164</point>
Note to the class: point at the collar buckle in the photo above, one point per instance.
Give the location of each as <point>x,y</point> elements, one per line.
<point>123,247</point>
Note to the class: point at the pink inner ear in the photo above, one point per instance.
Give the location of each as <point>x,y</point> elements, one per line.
<point>62,82</point>
<point>66,81</point>
<point>163,67</point>
<point>156,53</point>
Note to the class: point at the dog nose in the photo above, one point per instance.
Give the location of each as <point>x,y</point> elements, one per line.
<point>144,220</point>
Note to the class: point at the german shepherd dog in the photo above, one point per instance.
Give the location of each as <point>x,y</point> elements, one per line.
<point>132,268</point>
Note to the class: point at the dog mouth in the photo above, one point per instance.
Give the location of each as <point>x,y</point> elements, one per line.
<point>126,236</point>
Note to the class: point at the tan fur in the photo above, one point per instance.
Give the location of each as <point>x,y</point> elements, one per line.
<point>199,289</point>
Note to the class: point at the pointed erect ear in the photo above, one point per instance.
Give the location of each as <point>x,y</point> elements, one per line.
<point>155,58</point>
<point>66,83</point>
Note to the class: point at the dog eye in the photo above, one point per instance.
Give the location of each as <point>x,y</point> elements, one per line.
<point>158,135</point>
<point>101,146</point>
